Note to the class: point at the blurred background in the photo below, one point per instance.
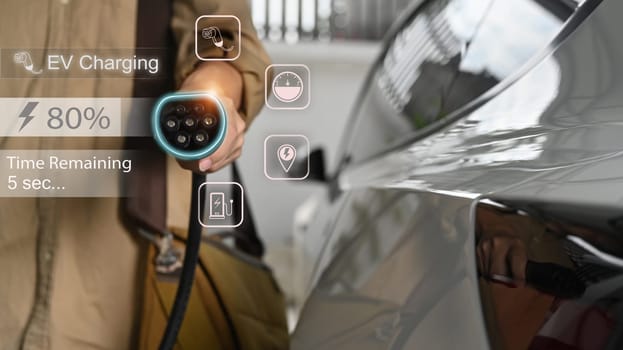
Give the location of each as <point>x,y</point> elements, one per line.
<point>295,21</point>
<point>338,40</point>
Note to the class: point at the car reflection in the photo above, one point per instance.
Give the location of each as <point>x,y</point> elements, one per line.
<point>546,280</point>
<point>397,278</point>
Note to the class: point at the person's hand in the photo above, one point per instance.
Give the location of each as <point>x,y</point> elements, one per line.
<point>225,82</point>
<point>502,259</point>
<point>231,148</point>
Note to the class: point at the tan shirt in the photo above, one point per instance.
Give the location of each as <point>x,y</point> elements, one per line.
<point>70,273</point>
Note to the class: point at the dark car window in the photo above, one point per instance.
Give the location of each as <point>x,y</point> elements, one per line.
<point>450,53</point>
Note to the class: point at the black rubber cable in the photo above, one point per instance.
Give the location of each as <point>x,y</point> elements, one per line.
<point>187,275</point>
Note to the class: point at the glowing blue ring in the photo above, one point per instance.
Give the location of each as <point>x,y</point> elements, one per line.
<point>188,155</point>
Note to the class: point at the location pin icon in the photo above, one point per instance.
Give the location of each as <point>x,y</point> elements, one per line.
<point>286,154</point>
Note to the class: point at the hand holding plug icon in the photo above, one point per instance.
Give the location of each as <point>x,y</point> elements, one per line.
<point>214,34</point>
<point>221,32</point>
<point>25,59</point>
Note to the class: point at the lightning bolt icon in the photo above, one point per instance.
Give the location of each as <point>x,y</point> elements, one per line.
<point>27,114</point>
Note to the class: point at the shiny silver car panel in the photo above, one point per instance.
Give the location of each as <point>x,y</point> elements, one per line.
<point>397,266</point>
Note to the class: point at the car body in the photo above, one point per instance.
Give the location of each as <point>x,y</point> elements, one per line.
<point>482,121</point>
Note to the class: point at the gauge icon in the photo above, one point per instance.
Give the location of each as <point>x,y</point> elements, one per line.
<point>287,86</point>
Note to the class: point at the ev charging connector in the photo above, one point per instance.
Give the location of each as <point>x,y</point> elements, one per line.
<point>188,126</point>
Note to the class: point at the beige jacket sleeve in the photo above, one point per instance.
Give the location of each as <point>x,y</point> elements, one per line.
<point>253,58</point>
